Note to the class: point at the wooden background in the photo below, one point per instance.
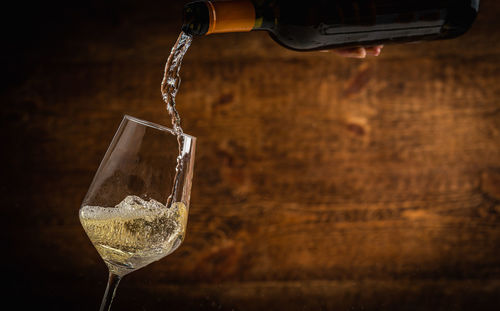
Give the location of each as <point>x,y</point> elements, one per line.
<point>321,183</point>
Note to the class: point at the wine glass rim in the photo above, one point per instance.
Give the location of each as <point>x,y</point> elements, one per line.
<point>154,125</point>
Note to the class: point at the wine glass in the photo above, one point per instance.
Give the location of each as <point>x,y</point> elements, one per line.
<point>135,211</point>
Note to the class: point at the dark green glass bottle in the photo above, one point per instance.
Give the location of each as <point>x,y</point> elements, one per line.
<point>322,24</point>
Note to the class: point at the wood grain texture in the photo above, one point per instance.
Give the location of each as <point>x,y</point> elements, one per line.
<point>321,183</point>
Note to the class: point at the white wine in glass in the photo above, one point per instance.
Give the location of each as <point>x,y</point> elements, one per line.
<point>136,209</point>
<point>134,233</point>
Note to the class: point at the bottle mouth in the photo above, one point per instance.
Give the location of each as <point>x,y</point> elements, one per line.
<point>195,18</point>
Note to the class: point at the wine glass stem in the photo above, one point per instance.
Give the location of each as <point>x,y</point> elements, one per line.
<point>113,281</point>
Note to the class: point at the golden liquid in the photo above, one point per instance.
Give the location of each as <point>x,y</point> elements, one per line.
<point>135,232</point>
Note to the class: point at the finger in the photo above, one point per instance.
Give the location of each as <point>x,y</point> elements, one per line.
<point>357,52</point>
<point>374,50</point>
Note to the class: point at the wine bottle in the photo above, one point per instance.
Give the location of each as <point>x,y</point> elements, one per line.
<point>322,24</point>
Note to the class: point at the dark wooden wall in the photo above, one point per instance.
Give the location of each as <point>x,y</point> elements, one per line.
<point>321,183</point>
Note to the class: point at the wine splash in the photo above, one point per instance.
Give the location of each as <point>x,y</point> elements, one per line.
<point>169,88</point>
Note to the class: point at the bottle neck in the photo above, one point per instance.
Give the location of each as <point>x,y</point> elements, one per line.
<point>209,17</point>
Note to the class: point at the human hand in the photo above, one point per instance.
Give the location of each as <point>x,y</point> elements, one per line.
<point>359,52</point>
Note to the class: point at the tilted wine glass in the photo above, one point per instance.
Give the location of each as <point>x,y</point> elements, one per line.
<point>135,211</point>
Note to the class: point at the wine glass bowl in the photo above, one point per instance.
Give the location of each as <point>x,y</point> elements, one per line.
<point>136,209</point>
